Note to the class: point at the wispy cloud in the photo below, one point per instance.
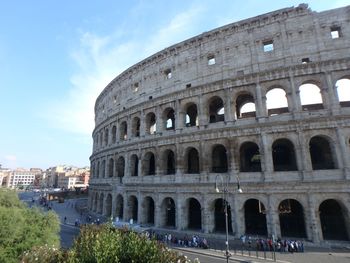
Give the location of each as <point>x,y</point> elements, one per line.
<point>101,58</point>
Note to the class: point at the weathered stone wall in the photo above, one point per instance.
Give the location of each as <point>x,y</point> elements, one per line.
<point>241,68</point>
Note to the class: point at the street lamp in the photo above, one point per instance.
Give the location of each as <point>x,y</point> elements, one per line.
<point>224,195</point>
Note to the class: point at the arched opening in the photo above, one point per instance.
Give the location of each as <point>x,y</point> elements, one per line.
<point>95,208</point>
<point>194,214</point>
<point>100,204</point>
<point>103,168</point>
<point>133,208</point>
<point>108,205</point>
<point>216,110</point>
<point>114,134</point>
<point>219,216</point>
<point>149,164</point>
<point>250,157</point>
<point>333,219</point>
<point>245,106</point>
<point>111,167</point>
<point>255,217</point>
<point>169,212</point>
<point>169,117</point>
<point>291,216</point>
<point>276,101</point>
<point>101,138</point>
<point>310,97</point>
<point>98,170</point>
<point>170,162</point>
<point>149,210</point>
<point>136,127</point>
<point>106,137</point>
<point>283,155</point>
<point>192,161</point>
<point>123,131</point>
<point>134,165</point>
<point>219,159</point>
<point>120,166</point>
<point>321,153</point>
<point>119,208</point>
<point>191,115</point>
<point>151,125</point>
<point>343,90</point>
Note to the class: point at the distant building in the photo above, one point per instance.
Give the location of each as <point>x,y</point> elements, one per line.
<point>21,177</point>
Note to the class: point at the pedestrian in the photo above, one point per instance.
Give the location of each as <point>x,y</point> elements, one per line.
<point>65,219</point>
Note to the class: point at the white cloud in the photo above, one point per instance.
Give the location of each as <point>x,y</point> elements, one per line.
<point>101,58</point>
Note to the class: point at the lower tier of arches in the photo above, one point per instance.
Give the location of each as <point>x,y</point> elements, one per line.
<point>314,217</point>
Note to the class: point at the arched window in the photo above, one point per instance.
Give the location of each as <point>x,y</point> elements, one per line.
<point>151,125</point>
<point>119,208</point>
<point>255,217</point>
<point>134,165</point>
<point>343,90</point>
<point>133,208</point>
<point>283,155</point>
<point>114,134</point>
<point>194,214</point>
<point>250,157</point>
<point>111,167</point>
<point>310,97</point>
<point>108,212</point>
<point>219,159</point>
<point>101,138</point>
<point>106,137</point>
<point>276,101</point>
<point>169,119</point>
<point>168,213</point>
<point>219,216</point>
<point>170,162</point>
<point>321,153</point>
<point>120,166</point>
<point>123,131</point>
<point>191,115</point>
<point>149,164</point>
<point>149,209</point>
<point>291,215</point>
<point>98,170</point>
<point>192,161</point>
<point>103,168</point>
<point>136,127</point>
<point>216,110</point>
<point>245,106</point>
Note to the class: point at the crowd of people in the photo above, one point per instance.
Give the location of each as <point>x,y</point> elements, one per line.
<point>186,240</point>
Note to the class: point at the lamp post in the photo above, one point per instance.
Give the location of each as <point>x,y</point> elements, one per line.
<point>224,191</point>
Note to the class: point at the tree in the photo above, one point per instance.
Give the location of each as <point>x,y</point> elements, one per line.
<point>23,228</point>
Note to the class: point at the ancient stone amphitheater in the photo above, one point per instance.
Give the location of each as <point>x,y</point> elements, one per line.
<point>261,104</point>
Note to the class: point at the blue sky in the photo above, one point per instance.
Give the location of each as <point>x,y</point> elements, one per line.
<point>57,56</point>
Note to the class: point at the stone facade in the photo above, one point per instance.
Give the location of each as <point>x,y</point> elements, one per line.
<point>175,125</point>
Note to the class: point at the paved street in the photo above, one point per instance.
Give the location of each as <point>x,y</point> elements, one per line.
<point>312,255</point>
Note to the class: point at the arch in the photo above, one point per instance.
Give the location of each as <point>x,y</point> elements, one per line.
<point>310,96</point>
<point>276,101</point>
<point>334,220</point>
<point>148,211</point>
<point>96,200</point>
<point>101,138</point>
<point>169,162</point>
<point>135,127</point>
<point>106,137</point>
<point>169,119</point>
<point>111,167</point>
<point>120,166</point>
<point>283,155</point>
<point>245,106</point>
<point>219,216</point>
<point>134,165</point>
<point>343,91</point>
<point>114,134</point>
<point>249,157</point>
<point>194,214</point>
<point>292,222</point>
<point>123,131</point>
<point>103,168</point>
<point>321,153</point>
<point>192,161</point>
<point>100,204</point>
<point>216,110</point>
<point>149,164</point>
<point>255,217</point>
<point>108,209</point>
<point>119,208</point>
<point>168,213</point>
<point>191,115</point>
<point>98,169</point>
<point>219,159</point>
<point>151,123</point>
<point>133,208</point>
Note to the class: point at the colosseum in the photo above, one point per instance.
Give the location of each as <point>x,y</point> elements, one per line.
<point>258,109</point>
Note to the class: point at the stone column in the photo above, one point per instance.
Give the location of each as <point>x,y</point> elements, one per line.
<point>314,230</point>
<point>114,203</point>
<point>139,168</point>
<point>260,105</point>
<point>238,216</point>
<point>140,219</point>
<point>207,225</point>
<point>159,120</point>
<point>266,157</point>
<point>303,156</point>
<point>202,113</point>
<point>332,93</point>
<point>296,106</point>
<point>157,215</point>
<point>179,116</point>
<point>180,224</point>
<point>142,124</point>
<point>228,107</point>
<point>272,218</point>
<point>344,150</point>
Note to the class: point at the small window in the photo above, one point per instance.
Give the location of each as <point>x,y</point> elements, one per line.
<point>335,32</point>
<point>114,99</point>
<point>211,60</point>
<point>305,60</point>
<point>168,73</point>
<point>268,46</point>
<point>135,87</point>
